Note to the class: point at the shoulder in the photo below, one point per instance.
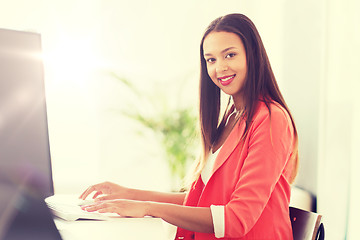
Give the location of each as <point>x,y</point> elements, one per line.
<point>273,112</point>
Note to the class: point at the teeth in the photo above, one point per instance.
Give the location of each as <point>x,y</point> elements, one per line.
<point>226,79</point>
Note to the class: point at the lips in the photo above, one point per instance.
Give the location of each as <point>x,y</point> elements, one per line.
<point>226,80</point>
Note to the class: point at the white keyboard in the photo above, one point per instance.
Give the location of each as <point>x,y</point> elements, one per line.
<point>69,209</point>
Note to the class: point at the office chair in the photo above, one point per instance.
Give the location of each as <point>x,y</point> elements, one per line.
<point>306,225</point>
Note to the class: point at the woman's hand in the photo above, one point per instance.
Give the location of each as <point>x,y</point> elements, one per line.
<point>123,207</point>
<point>111,190</point>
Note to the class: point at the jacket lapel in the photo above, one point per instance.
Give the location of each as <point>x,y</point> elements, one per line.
<point>229,145</point>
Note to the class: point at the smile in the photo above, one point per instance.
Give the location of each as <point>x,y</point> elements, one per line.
<point>226,80</point>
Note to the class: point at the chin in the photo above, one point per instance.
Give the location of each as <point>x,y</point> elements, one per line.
<point>228,92</point>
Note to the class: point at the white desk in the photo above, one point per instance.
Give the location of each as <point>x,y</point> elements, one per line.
<point>119,228</point>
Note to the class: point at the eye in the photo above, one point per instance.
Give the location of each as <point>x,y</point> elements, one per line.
<point>210,60</point>
<point>230,55</point>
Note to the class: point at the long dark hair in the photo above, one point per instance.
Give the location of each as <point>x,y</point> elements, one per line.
<point>260,83</point>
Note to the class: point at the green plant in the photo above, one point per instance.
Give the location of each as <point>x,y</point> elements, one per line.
<point>176,129</point>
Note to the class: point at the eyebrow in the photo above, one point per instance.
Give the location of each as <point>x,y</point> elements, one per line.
<point>223,51</point>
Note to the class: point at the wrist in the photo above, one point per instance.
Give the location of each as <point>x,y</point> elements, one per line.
<point>128,193</point>
<point>151,208</point>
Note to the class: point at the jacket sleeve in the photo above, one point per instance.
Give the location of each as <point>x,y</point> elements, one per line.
<point>269,147</point>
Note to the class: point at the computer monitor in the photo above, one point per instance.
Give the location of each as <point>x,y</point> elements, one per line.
<point>24,141</point>
<point>23,212</point>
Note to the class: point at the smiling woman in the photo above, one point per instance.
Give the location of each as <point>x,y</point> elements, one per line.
<point>226,63</point>
<point>251,157</point>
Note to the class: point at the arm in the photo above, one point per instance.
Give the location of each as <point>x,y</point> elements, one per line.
<point>154,196</point>
<point>114,191</point>
<point>196,219</point>
<point>270,145</point>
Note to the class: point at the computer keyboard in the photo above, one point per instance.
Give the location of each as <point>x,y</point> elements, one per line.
<point>69,209</point>
<point>68,212</point>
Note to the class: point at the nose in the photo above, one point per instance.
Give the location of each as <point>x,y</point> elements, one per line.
<point>221,67</point>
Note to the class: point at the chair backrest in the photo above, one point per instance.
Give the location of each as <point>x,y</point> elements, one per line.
<point>306,225</point>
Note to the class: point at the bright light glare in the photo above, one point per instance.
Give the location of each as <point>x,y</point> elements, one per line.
<point>71,60</point>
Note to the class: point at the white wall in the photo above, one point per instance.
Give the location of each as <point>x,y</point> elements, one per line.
<point>338,181</point>
<point>303,56</point>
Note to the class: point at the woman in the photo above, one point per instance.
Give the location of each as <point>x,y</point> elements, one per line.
<point>241,187</point>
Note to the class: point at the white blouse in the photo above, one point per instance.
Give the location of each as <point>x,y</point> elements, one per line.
<point>217,212</point>
<point>207,170</point>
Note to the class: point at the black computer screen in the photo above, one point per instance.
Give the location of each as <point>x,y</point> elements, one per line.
<point>24,141</point>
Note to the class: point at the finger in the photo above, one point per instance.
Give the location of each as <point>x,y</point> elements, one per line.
<point>98,207</point>
<point>110,210</point>
<point>91,207</point>
<point>107,197</point>
<point>98,193</point>
<point>86,193</point>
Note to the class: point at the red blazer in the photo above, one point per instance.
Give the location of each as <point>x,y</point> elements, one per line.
<point>251,179</point>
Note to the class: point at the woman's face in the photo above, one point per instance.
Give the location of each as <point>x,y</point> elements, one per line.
<point>225,56</point>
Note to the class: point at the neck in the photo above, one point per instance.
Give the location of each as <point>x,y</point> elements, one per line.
<point>238,102</point>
